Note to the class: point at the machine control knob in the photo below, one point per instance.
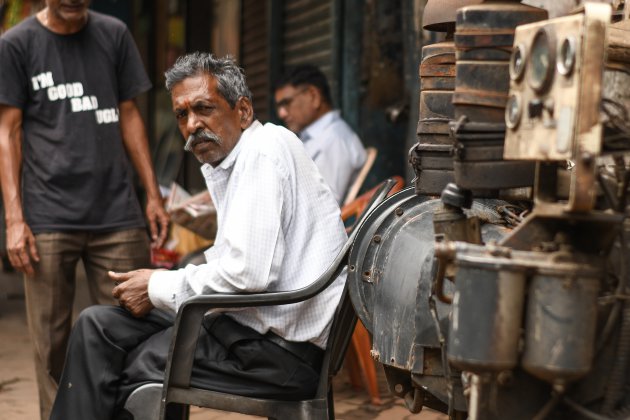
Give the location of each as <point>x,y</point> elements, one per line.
<point>456,196</point>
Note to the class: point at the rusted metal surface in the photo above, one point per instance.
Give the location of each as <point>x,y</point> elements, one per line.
<point>562,305</point>
<point>439,15</point>
<point>489,340</point>
<point>391,279</point>
<point>431,157</point>
<point>479,160</point>
<point>437,69</point>
<point>561,325</point>
<point>483,42</point>
<point>390,283</point>
<point>552,117</point>
<point>619,43</point>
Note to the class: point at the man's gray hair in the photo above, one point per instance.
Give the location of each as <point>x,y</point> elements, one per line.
<point>230,77</point>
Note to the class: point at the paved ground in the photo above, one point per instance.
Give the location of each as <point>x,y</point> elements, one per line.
<point>18,397</point>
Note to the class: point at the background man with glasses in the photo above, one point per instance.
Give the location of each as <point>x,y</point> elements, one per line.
<point>303,102</point>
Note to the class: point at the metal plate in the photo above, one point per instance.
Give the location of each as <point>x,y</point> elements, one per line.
<point>364,250</point>
<point>392,268</point>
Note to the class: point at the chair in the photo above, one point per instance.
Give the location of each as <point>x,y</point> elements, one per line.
<point>143,403</point>
<point>353,209</point>
<point>363,173</point>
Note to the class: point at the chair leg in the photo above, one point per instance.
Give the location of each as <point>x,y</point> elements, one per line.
<point>362,346</point>
<point>176,411</point>
<point>331,405</point>
<point>352,367</point>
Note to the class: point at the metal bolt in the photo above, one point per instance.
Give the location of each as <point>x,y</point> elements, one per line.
<point>399,211</point>
<point>497,251</point>
<point>504,378</point>
<point>398,388</point>
<point>377,238</point>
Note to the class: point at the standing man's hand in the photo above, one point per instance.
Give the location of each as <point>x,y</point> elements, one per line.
<point>158,222</point>
<point>137,146</point>
<point>132,291</point>
<point>21,247</point>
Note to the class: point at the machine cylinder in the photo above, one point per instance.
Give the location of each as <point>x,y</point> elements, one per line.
<point>431,157</point>
<point>560,326</point>
<point>486,318</point>
<point>483,42</point>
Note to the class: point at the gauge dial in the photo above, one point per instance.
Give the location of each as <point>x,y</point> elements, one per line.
<point>542,61</point>
<point>566,56</point>
<point>513,111</point>
<point>517,62</point>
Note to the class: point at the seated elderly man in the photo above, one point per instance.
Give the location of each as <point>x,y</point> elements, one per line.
<point>279,229</point>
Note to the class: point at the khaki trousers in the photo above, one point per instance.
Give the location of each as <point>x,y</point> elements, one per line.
<point>50,292</point>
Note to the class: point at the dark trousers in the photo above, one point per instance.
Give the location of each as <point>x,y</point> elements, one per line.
<point>111,353</point>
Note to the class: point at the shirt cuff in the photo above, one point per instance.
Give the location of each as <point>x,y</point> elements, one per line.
<point>163,287</point>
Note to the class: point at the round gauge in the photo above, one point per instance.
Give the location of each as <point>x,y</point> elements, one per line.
<point>542,60</point>
<point>513,111</point>
<point>566,56</point>
<point>517,62</point>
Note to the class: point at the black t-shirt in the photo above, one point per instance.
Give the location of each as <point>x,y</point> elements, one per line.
<point>75,171</point>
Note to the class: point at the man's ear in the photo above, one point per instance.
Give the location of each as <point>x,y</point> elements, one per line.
<point>245,112</point>
<point>316,96</point>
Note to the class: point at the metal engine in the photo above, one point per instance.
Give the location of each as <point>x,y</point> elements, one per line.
<point>497,286</point>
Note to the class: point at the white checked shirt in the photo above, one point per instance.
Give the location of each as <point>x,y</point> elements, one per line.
<point>279,228</point>
<point>336,150</point>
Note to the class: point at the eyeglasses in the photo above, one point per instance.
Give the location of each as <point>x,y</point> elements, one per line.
<point>286,102</point>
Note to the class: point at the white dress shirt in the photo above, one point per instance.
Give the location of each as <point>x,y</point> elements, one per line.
<point>279,228</point>
<point>336,150</point>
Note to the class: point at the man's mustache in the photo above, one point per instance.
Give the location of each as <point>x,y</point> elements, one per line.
<point>199,136</point>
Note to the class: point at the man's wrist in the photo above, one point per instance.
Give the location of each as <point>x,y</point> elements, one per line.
<point>160,289</point>
<point>13,221</point>
<point>154,198</point>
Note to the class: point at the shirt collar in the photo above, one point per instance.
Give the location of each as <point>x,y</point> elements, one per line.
<point>315,129</point>
<point>230,159</point>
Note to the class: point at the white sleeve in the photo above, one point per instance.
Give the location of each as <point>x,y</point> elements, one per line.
<point>335,167</point>
<point>251,252</point>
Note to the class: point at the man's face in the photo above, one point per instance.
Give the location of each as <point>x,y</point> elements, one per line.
<point>68,11</point>
<point>209,125</point>
<point>297,106</point>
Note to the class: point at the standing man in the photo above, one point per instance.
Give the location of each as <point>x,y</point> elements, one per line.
<point>303,102</point>
<point>68,128</point>
<point>279,229</point>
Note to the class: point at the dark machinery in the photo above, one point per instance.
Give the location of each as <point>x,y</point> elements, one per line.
<point>497,286</point>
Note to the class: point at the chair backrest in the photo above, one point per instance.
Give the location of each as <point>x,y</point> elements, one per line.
<point>354,189</point>
<point>352,210</point>
<point>340,335</point>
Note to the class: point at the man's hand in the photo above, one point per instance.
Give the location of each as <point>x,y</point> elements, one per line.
<point>21,247</point>
<point>133,291</point>
<point>158,222</point>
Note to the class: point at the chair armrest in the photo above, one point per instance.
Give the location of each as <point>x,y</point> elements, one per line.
<point>191,312</point>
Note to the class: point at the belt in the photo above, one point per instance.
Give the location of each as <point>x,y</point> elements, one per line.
<point>309,353</point>
<point>228,331</point>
